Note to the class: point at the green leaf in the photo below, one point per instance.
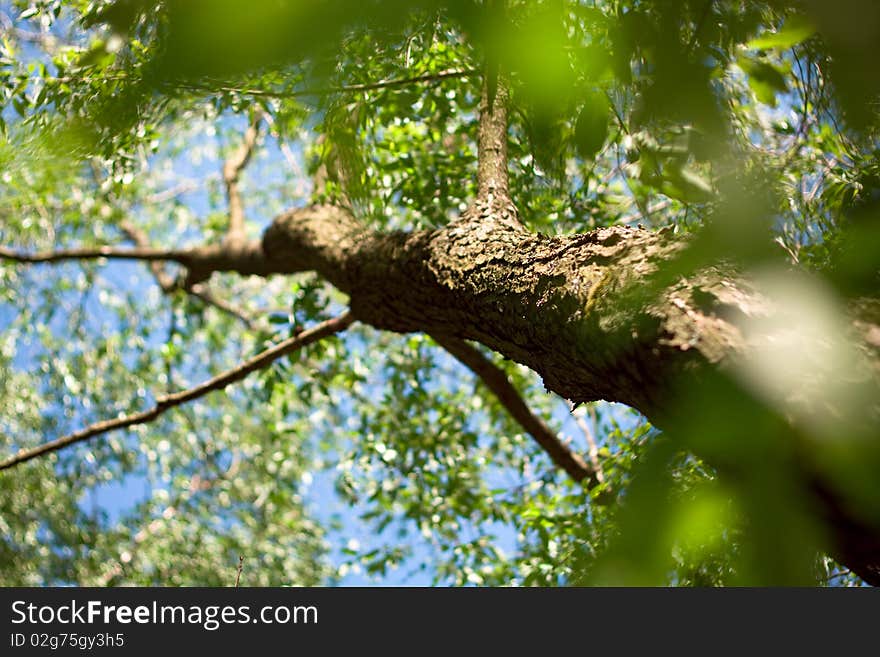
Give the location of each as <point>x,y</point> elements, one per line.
<point>96,55</point>
<point>795,30</point>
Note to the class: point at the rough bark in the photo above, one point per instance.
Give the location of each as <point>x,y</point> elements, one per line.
<point>553,304</point>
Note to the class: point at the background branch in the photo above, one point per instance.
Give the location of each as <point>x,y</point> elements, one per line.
<point>232,169</point>
<point>94,253</point>
<point>496,380</point>
<point>492,140</point>
<point>325,91</point>
<point>165,402</point>
<point>139,237</point>
<point>168,284</point>
<point>592,445</point>
<point>201,292</point>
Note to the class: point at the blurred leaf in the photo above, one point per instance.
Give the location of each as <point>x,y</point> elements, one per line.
<point>795,30</point>
<point>591,129</point>
<point>687,185</point>
<point>765,79</point>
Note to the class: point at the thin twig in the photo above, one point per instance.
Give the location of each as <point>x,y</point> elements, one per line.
<point>496,380</point>
<point>93,253</point>
<point>165,402</point>
<point>200,292</point>
<point>803,128</point>
<point>139,237</point>
<point>183,187</point>
<point>168,284</point>
<point>202,261</point>
<point>659,206</point>
<point>207,86</point>
<point>324,91</point>
<point>240,565</point>
<point>292,161</point>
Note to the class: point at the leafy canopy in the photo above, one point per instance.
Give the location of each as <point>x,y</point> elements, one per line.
<point>377,455</point>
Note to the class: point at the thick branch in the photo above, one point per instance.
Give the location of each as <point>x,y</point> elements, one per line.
<point>492,140</point>
<point>553,304</point>
<point>496,380</point>
<point>166,402</point>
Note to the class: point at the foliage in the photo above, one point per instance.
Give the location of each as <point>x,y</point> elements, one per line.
<point>751,124</point>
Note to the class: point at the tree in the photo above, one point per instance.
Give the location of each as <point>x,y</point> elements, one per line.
<point>671,206</point>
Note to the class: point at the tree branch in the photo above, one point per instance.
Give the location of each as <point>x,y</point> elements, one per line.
<point>492,140</point>
<point>201,292</point>
<point>591,442</point>
<point>168,284</point>
<point>292,161</point>
<point>95,253</point>
<point>165,402</point>
<point>496,380</point>
<point>232,169</point>
<point>324,91</point>
<point>215,87</point>
<point>246,258</point>
<point>136,235</point>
